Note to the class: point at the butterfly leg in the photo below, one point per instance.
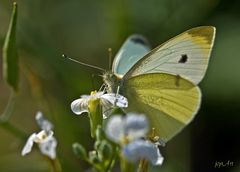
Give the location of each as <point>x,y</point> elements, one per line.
<point>102,88</point>
<point>116,95</point>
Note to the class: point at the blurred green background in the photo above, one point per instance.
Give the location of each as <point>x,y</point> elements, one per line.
<point>85,30</point>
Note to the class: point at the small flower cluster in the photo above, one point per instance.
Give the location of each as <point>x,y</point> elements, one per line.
<point>129,131</point>
<point>101,157</point>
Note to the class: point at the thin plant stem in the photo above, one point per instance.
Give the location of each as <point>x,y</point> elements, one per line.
<point>54,163</point>
<point>143,166</point>
<point>13,130</point>
<point>112,162</point>
<point>126,166</point>
<point>111,166</point>
<point>5,116</point>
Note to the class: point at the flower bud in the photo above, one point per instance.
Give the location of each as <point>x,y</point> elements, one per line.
<point>93,157</point>
<point>79,150</point>
<point>97,145</point>
<point>105,150</point>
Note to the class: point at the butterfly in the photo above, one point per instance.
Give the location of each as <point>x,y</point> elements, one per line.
<point>162,83</point>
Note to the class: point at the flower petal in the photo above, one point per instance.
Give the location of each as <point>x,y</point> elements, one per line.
<point>43,123</point>
<point>107,108</point>
<point>115,128</point>
<point>116,99</point>
<point>141,149</point>
<point>79,106</point>
<point>136,126</point>
<point>49,147</point>
<point>29,144</point>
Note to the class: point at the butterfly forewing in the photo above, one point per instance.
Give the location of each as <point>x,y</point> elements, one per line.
<point>186,55</point>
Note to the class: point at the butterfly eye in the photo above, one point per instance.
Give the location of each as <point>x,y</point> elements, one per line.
<point>183,58</point>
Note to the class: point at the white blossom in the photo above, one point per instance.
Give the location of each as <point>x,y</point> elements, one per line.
<point>45,139</point>
<point>43,123</point>
<point>108,101</point>
<point>142,149</point>
<point>130,132</point>
<point>130,127</point>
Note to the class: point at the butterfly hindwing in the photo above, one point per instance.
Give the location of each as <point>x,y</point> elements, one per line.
<point>133,49</point>
<point>169,101</point>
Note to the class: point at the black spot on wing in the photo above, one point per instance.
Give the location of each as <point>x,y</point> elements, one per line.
<point>139,40</point>
<point>183,58</point>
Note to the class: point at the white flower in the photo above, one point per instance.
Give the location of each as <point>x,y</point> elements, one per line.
<point>108,101</point>
<point>45,139</point>
<point>42,122</point>
<point>142,149</point>
<point>129,131</point>
<point>121,129</point>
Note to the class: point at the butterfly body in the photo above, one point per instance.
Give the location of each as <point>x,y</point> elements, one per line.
<point>112,81</point>
<point>162,83</point>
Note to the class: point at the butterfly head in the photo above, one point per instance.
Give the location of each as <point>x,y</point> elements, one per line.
<point>112,81</point>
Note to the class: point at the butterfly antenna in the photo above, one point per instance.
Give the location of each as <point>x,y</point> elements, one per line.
<point>92,80</point>
<point>81,63</point>
<point>110,58</point>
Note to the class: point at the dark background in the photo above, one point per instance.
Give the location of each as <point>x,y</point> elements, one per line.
<point>85,30</point>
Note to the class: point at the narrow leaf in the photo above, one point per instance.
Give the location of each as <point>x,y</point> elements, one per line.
<point>10,56</point>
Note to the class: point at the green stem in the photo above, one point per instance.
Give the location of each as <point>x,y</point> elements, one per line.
<point>96,167</point>
<point>143,166</point>
<point>5,116</point>
<point>95,115</point>
<point>13,130</point>
<point>126,166</point>
<point>112,162</point>
<point>54,163</point>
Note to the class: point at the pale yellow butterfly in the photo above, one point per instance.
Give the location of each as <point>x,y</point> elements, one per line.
<point>162,83</point>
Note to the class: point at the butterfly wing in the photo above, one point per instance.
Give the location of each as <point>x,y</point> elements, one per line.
<point>169,101</point>
<point>186,55</point>
<point>134,48</point>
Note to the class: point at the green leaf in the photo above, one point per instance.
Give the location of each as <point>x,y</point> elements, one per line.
<point>10,56</point>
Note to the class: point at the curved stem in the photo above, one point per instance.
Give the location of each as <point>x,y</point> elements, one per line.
<point>13,130</point>
<point>5,116</point>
